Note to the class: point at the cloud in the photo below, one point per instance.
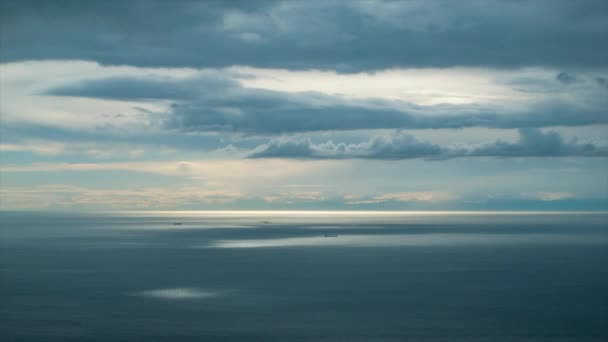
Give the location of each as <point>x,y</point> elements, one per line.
<point>536,143</point>
<point>215,101</point>
<point>272,113</point>
<point>532,142</point>
<point>550,196</point>
<point>69,196</point>
<point>286,148</point>
<point>112,139</point>
<point>290,197</point>
<point>271,82</point>
<point>353,35</point>
<point>218,170</point>
<point>37,147</point>
<point>141,88</point>
<point>566,78</point>
<point>412,196</point>
<point>196,184</point>
<point>602,81</point>
<point>204,110</point>
<point>396,146</point>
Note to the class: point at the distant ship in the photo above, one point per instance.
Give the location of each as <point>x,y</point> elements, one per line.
<point>265,222</point>
<point>177,223</point>
<point>330,235</point>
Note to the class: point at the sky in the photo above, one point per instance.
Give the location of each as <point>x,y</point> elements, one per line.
<point>296,105</point>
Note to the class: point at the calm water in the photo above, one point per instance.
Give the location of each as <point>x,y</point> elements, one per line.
<point>231,277</point>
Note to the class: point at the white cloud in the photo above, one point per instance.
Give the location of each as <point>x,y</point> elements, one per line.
<point>113,152</point>
<point>208,182</point>
<point>35,76</point>
<point>69,196</point>
<point>198,169</point>
<point>37,147</point>
<point>415,196</point>
<point>289,197</point>
<point>23,82</point>
<point>550,196</point>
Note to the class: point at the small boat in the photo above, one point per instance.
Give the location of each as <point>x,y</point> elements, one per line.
<point>330,235</point>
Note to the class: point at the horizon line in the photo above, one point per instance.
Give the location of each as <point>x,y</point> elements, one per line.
<point>312,212</point>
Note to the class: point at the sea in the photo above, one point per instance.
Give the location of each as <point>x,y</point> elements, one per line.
<point>303,276</point>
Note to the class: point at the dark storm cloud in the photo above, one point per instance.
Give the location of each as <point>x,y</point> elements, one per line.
<point>531,143</point>
<point>213,102</point>
<point>338,35</point>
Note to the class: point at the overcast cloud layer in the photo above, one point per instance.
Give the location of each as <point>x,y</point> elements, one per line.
<point>304,104</point>
<point>326,34</point>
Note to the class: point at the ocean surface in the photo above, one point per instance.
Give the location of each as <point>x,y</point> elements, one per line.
<point>276,276</point>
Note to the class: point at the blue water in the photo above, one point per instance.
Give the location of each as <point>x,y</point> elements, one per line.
<point>231,277</point>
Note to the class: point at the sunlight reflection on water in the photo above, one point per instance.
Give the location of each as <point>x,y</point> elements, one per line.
<point>389,240</point>
<point>178,293</point>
